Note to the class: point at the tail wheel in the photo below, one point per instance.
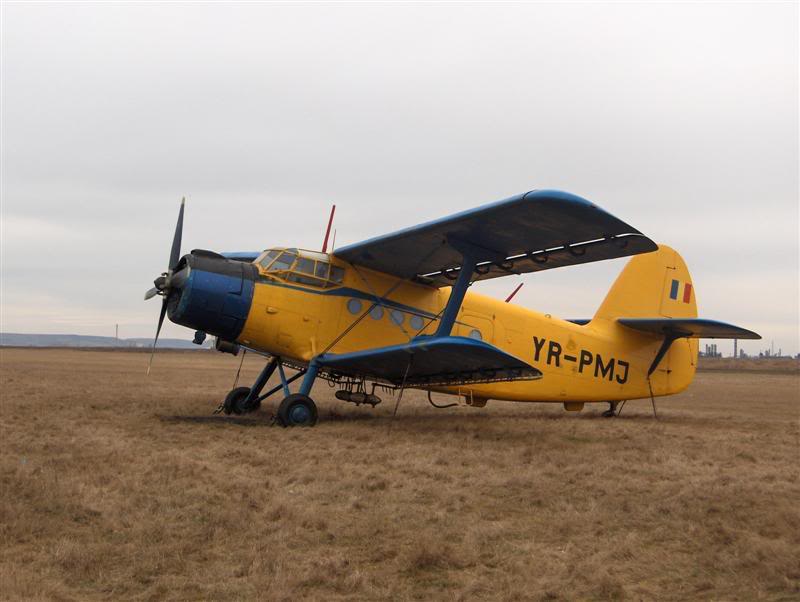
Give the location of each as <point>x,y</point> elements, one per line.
<point>234,401</point>
<point>297,410</point>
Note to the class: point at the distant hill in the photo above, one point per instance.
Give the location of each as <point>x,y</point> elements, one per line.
<point>15,339</point>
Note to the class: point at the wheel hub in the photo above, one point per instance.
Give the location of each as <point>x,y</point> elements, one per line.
<point>299,414</point>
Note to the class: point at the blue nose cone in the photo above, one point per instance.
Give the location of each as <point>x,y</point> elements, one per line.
<point>215,295</point>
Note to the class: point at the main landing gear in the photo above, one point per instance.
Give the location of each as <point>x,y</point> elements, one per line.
<point>296,409</point>
<point>236,402</point>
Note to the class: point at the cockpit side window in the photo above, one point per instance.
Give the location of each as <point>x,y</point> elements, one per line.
<point>321,271</point>
<point>283,262</point>
<point>304,265</point>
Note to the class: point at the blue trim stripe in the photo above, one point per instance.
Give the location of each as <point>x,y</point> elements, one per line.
<point>355,293</point>
<point>673,292</point>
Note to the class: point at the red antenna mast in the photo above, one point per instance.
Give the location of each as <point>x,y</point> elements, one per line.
<point>516,290</point>
<point>328,231</point>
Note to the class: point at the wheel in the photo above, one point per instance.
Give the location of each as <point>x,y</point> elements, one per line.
<point>234,401</point>
<point>297,410</point>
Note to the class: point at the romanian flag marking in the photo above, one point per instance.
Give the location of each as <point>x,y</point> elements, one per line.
<point>675,288</point>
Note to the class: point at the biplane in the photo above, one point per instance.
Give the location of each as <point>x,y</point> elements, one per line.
<point>395,312</point>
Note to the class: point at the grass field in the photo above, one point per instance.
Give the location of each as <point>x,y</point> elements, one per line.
<point>118,486</point>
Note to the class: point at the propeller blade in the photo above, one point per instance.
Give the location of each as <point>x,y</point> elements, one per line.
<point>150,294</point>
<point>175,253</point>
<point>158,331</point>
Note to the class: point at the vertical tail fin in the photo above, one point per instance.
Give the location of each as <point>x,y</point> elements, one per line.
<point>651,285</point>
<point>656,285</point>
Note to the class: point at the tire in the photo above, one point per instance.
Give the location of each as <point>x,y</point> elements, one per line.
<point>234,401</point>
<point>297,410</point>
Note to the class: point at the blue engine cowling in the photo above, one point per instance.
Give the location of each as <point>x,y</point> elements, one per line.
<point>215,295</point>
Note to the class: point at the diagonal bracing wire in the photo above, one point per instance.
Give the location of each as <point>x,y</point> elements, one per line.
<point>391,289</point>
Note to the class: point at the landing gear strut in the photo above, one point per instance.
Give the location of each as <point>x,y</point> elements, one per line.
<point>243,400</point>
<point>296,409</point>
<point>612,410</point>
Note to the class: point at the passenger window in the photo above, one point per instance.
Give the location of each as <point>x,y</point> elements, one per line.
<point>397,317</point>
<point>417,323</point>
<point>376,313</point>
<point>475,334</point>
<point>321,270</point>
<point>354,306</point>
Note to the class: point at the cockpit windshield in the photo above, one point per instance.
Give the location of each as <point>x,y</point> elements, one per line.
<point>304,267</point>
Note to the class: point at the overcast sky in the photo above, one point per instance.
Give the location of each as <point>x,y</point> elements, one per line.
<point>681,119</point>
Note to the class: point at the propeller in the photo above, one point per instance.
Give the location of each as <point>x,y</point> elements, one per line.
<point>168,280</point>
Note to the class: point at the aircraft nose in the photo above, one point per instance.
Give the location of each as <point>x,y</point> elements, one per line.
<point>215,294</point>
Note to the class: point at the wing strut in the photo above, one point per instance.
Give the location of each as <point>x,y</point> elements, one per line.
<point>470,255</point>
<point>456,297</point>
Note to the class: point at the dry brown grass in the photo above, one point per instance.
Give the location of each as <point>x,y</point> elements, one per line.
<point>783,365</point>
<point>115,486</point>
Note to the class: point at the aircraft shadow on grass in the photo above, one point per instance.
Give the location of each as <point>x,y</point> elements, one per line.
<point>455,420</point>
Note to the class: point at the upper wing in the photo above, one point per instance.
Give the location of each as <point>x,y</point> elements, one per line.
<point>431,361</point>
<point>693,328</point>
<point>538,230</point>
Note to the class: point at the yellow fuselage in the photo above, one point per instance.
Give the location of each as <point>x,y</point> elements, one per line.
<point>599,361</point>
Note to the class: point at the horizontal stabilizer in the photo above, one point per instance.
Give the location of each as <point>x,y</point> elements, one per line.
<point>431,361</point>
<point>693,328</point>
<point>530,232</point>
